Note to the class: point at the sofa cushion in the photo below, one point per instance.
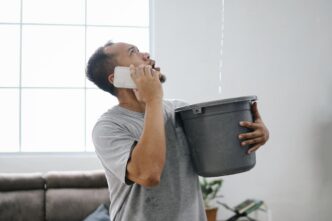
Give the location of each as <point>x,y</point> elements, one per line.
<point>76,179</point>
<point>22,205</point>
<point>100,214</point>
<point>22,197</point>
<point>73,204</point>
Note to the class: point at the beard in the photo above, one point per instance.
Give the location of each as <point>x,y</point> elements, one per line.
<point>162,78</point>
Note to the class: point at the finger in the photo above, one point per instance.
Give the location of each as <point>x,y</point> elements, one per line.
<point>147,70</point>
<point>136,92</point>
<point>132,70</point>
<point>250,135</point>
<point>254,148</point>
<point>252,141</point>
<point>156,74</point>
<point>140,70</point>
<point>250,125</point>
<point>255,111</point>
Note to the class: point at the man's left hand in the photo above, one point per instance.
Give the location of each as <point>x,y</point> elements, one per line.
<point>260,134</point>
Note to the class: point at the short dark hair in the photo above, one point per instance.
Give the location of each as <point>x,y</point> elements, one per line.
<point>100,66</point>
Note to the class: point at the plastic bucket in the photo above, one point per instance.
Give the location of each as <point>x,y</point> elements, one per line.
<point>212,130</point>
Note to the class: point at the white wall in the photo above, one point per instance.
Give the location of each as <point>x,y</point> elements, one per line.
<point>280,51</point>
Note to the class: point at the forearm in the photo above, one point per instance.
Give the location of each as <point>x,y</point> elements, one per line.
<point>153,136</point>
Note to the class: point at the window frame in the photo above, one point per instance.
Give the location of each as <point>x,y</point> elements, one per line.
<point>84,151</point>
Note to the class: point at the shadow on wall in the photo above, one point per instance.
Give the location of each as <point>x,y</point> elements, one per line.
<point>323,150</point>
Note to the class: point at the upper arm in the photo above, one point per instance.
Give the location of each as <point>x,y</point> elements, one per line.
<point>113,146</point>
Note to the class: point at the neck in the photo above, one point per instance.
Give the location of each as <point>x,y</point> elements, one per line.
<point>128,100</point>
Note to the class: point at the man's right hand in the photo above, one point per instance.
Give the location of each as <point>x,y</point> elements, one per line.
<point>149,87</point>
<point>147,160</point>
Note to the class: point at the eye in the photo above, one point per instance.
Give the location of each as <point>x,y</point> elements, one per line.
<point>133,50</point>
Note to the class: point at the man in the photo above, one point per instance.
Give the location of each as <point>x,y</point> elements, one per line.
<point>145,157</point>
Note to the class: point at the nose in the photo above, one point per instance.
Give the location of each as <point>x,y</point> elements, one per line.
<point>146,56</point>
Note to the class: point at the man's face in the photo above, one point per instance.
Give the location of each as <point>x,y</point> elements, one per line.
<point>127,54</point>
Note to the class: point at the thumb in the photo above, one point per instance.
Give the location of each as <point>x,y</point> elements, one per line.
<point>255,111</point>
<point>136,92</point>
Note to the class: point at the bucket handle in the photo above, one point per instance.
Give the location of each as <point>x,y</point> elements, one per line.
<point>197,110</point>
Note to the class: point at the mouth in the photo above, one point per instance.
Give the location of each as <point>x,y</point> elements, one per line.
<point>153,65</point>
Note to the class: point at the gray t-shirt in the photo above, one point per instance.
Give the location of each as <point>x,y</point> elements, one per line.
<point>176,198</point>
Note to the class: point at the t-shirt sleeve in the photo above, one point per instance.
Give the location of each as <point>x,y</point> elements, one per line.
<point>179,103</point>
<point>113,145</point>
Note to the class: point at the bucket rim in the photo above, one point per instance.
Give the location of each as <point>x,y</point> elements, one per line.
<point>216,102</point>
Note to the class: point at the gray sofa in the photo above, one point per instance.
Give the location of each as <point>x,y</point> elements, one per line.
<point>53,196</point>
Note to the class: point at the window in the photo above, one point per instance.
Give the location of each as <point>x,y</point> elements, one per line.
<point>47,104</point>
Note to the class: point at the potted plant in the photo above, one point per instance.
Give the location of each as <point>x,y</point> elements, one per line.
<point>210,188</point>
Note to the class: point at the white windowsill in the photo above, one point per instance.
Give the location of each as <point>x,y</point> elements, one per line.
<point>47,154</point>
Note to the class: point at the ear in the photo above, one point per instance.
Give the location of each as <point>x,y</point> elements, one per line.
<point>111,78</point>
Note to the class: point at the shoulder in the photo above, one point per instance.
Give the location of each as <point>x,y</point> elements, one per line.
<point>107,122</point>
<point>175,103</point>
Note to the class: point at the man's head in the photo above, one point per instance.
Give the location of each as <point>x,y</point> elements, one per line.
<point>101,65</point>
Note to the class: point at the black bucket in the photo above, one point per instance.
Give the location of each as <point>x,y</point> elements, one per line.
<point>212,130</point>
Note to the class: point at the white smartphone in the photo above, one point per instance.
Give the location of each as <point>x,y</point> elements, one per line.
<point>122,78</point>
